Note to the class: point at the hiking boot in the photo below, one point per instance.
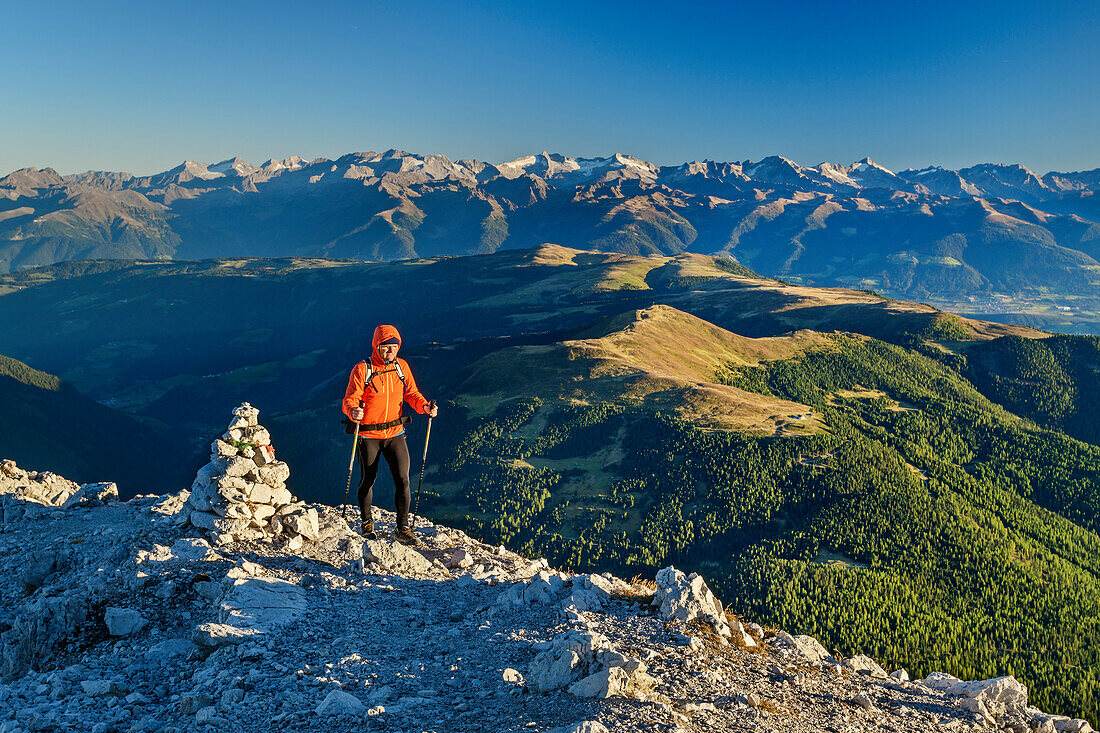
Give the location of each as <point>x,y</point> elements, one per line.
<point>405,536</point>
<point>366,528</point>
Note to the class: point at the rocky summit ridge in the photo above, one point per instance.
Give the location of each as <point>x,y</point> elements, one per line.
<point>167,613</point>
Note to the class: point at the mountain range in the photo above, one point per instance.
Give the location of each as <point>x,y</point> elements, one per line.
<point>987,239</point>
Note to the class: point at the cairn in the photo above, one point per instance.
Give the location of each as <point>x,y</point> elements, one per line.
<point>241,494</point>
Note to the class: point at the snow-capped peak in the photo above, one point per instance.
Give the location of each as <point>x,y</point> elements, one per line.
<point>236,165</point>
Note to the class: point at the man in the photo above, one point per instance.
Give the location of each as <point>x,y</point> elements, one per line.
<point>382,426</point>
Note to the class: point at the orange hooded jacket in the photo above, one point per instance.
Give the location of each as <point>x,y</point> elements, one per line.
<point>384,395</point>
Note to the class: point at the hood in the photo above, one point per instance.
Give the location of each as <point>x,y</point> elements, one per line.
<point>382,333</point>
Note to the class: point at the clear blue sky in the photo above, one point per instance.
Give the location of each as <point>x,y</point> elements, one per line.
<point>142,86</point>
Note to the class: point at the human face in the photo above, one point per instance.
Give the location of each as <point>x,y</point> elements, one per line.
<point>388,352</point>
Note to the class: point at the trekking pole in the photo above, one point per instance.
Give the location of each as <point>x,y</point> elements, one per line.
<point>423,460</point>
<point>351,463</point>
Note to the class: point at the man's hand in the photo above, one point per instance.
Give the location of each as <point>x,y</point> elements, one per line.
<point>433,409</point>
<point>357,414</point>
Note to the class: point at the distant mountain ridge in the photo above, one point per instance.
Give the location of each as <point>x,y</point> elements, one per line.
<point>930,233</point>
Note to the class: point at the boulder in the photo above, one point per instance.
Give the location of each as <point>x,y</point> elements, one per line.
<point>304,523</point>
<point>395,557</point>
<point>459,558</point>
<point>1007,690</point>
<point>572,656</point>
<point>262,603</point>
<point>805,646</point>
<point>193,549</point>
<point>741,636</point>
<point>940,681</point>
<point>212,635</point>
<point>281,496</point>
<point>238,466</point>
<point>687,598</point>
<point>339,702</point>
<point>259,494</point>
<point>552,671</point>
<point>615,682</point>
<point>170,649</point>
<point>89,495</point>
<point>219,525</point>
<point>863,664</point>
<point>102,688</point>
<point>123,621</point>
<point>590,593</point>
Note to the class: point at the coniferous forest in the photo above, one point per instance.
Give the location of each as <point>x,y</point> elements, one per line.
<point>926,525</point>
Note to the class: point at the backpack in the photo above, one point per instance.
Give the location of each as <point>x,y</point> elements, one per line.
<point>351,427</point>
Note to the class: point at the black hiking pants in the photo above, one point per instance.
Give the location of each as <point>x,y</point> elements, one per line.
<point>397,458</point>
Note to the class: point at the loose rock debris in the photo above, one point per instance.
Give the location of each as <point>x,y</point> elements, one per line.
<point>126,616</point>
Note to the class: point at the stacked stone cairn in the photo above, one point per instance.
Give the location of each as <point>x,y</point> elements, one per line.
<point>241,494</point>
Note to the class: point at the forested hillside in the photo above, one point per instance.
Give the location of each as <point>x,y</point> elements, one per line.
<point>48,424</point>
<point>889,477</point>
<point>922,522</point>
<point>1055,381</point>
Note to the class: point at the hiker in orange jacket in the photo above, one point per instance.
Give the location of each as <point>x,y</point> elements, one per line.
<point>382,426</point>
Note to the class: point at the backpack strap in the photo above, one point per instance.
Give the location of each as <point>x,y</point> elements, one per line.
<point>400,373</point>
<point>368,375</point>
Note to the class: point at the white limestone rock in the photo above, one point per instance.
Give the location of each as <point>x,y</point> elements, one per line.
<point>740,636</point>
<point>259,494</point>
<point>553,670</point>
<point>395,557</point>
<point>281,496</point>
<point>213,635</point>
<point>1007,690</point>
<point>339,702</point>
<point>460,558</point>
<point>303,523</point>
<point>218,525</point>
<point>272,474</point>
<point>221,448</point>
<point>90,495</point>
<point>590,593</point>
<point>571,656</point>
<point>615,682</point>
<point>805,646</point>
<point>193,549</point>
<point>102,688</point>
<point>262,603</point>
<point>863,664</point>
<point>245,416</point>
<point>123,621</point>
<point>170,649</point>
<point>238,466</point>
<point>940,681</point>
<point>686,598</point>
